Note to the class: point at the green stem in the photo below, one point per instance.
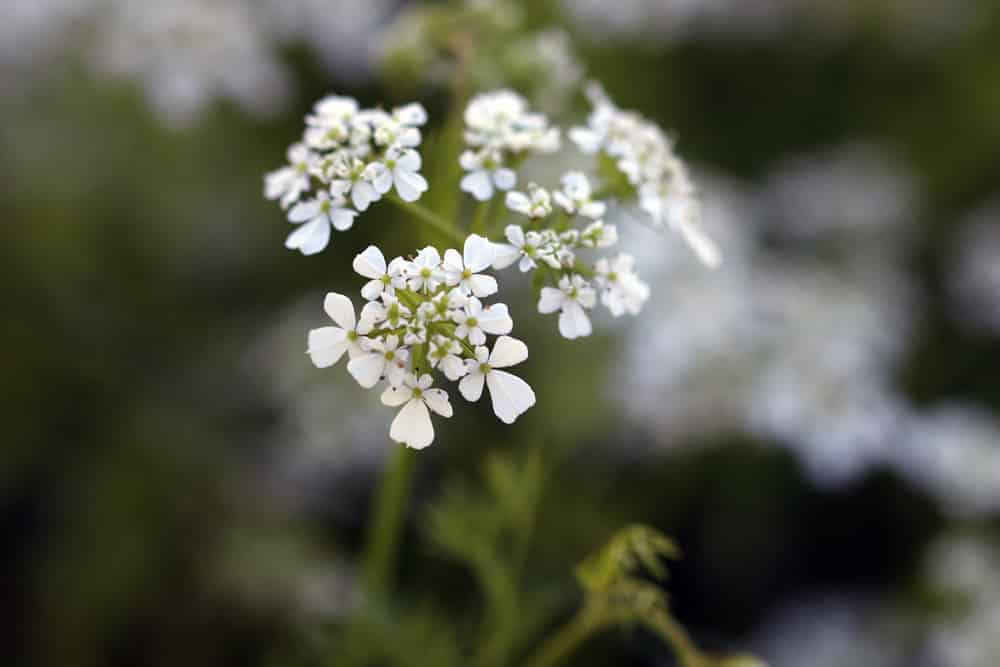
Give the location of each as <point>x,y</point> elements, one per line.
<point>566,640</point>
<point>670,630</point>
<point>386,523</point>
<point>428,218</point>
<point>482,215</point>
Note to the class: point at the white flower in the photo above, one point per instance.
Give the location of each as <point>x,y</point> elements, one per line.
<point>404,167</point>
<point>524,247</point>
<point>599,235</point>
<point>464,270</point>
<point>575,196</point>
<point>486,170</point>
<point>536,204</point>
<point>382,359</point>
<point>511,396</point>
<point>328,344</point>
<point>411,115</point>
<point>425,270</point>
<point>474,321</point>
<point>623,291</point>
<point>289,182</point>
<point>445,354</point>
<point>681,214</point>
<point>315,217</point>
<point>571,298</point>
<point>371,264</point>
<point>412,426</point>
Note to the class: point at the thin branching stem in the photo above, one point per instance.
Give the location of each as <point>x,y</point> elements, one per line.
<point>428,217</point>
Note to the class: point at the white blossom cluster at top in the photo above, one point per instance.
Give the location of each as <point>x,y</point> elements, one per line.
<point>348,158</point>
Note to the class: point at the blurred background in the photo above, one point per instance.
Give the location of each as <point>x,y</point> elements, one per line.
<point>816,423</point>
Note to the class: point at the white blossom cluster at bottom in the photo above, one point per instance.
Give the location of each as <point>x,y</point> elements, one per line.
<point>424,316</point>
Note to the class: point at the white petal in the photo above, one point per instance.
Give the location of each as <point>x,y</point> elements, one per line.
<point>342,219</point>
<point>410,185</point>
<point>340,309</point>
<point>367,369</point>
<point>511,396</point>
<point>508,352</point>
<point>453,367</point>
<point>452,261</point>
<point>310,238</point>
<point>550,300</point>
<point>483,286</point>
<point>412,426</point>
<point>702,245</point>
<point>370,263</point>
<point>437,400</point>
<point>573,321</point>
<point>505,179</point>
<point>307,210</point>
<point>477,253</point>
<point>362,195</point>
<point>396,396</point>
<point>515,234</point>
<point>518,202</point>
<point>409,161</point>
<point>327,345</point>
<point>471,386</point>
<point>504,255</point>
<point>478,184</point>
<point>495,319</point>
<point>382,182</point>
<point>372,289</point>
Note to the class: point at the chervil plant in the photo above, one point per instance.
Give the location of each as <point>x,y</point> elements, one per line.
<point>432,316</point>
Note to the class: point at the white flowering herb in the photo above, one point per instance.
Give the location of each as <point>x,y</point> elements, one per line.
<point>427,315</point>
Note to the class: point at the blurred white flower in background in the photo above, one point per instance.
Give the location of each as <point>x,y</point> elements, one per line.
<point>966,570</point>
<point>974,278</point>
<point>852,191</point>
<point>832,631</point>
<point>800,349</point>
<point>188,53</point>
<point>908,23</point>
<point>341,32</point>
<point>953,452</point>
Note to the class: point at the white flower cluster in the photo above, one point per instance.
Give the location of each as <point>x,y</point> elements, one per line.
<point>553,250</point>
<point>349,157</point>
<point>645,155</point>
<point>500,131</point>
<point>423,315</point>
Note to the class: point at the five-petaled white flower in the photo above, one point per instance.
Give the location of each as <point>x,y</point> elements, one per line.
<point>412,426</point>
<point>403,167</point>
<point>474,321</point>
<point>574,197</point>
<point>314,219</point>
<point>486,171</point>
<point>371,264</point>
<point>571,298</point>
<point>328,344</point>
<point>381,359</point>
<point>289,182</point>
<point>424,271</point>
<point>464,270</point>
<point>536,204</point>
<point>622,290</point>
<point>525,247</point>
<point>511,395</point>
